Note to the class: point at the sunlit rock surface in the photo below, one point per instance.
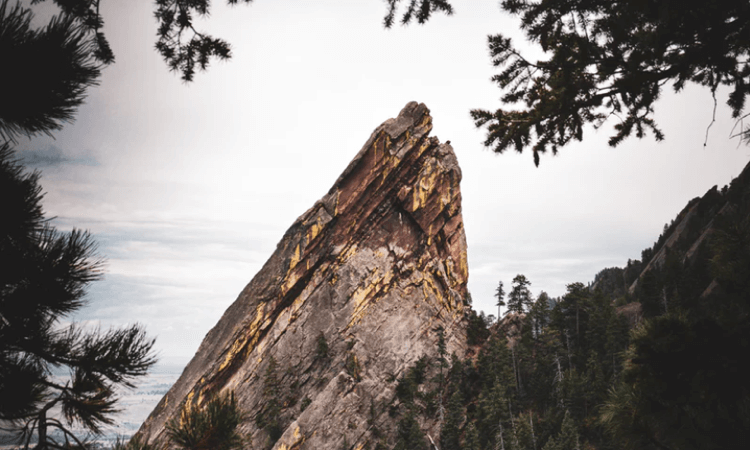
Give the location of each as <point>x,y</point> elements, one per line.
<point>378,266</point>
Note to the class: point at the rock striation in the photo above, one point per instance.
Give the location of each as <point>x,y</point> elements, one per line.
<point>356,291</point>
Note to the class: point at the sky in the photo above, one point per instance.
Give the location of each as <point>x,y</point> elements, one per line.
<point>187,188</point>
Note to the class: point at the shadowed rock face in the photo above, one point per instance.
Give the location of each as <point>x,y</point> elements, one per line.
<point>376,266</point>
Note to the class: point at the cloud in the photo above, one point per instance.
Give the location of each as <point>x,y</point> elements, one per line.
<point>42,157</point>
<point>175,277</point>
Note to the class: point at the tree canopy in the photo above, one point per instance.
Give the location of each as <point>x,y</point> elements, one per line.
<point>608,59</point>
<point>519,298</point>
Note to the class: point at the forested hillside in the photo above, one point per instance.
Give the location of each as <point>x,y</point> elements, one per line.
<point>649,356</point>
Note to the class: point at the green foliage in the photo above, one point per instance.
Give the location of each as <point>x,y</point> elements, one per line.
<point>519,298</point>
<point>450,434</point>
<point>269,417</point>
<point>539,314</point>
<point>681,386</point>
<point>730,263</point>
<point>52,68</point>
<point>477,329</point>
<point>213,427</point>
<point>566,439</point>
<point>650,294</point>
<point>494,364</point>
<point>407,387</point>
<point>321,349</point>
<point>605,59</point>
<point>305,403</point>
<point>491,414</point>
<point>577,377</point>
<point>500,296</point>
<point>410,435</point>
<point>44,279</point>
<point>471,442</point>
<point>677,388</point>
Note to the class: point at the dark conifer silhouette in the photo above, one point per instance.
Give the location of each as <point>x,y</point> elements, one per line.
<point>44,280</point>
<point>46,71</point>
<point>610,59</point>
<point>500,296</point>
<point>519,298</point>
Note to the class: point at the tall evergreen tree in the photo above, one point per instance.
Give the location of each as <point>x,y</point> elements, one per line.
<point>410,435</point>
<point>519,298</point>
<point>540,313</point>
<point>492,414</point>
<point>500,296</point>
<point>450,435</point>
<point>471,441</point>
<point>567,438</point>
<point>269,417</point>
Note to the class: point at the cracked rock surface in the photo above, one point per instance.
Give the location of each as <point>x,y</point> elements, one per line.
<point>376,267</point>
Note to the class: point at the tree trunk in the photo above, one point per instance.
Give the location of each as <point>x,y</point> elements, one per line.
<point>42,430</point>
<point>502,442</point>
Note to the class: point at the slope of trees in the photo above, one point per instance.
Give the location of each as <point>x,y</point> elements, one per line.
<point>534,388</point>
<point>576,375</point>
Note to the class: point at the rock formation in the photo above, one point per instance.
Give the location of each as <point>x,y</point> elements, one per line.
<point>694,225</point>
<point>356,291</point>
<point>686,244</point>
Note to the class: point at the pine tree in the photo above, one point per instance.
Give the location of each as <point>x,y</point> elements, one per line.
<point>44,279</point>
<point>500,296</point>
<point>604,60</point>
<point>211,427</point>
<point>567,438</point>
<point>471,442</point>
<point>269,418</point>
<point>450,435</point>
<point>492,412</point>
<point>51,69</point>
<point>540,313</point>
<point>410,435</point>
<point>520,296</point>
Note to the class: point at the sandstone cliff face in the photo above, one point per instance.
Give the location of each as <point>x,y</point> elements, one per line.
<point>375,267</point>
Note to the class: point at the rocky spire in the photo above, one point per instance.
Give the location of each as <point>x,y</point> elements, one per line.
<point>373,270</point>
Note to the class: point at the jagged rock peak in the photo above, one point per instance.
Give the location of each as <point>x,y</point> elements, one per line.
<point>373,270</point>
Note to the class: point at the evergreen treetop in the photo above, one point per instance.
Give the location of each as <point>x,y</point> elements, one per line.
<point>519,298</point>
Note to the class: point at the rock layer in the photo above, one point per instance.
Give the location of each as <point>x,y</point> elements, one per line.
<point>373,270</point>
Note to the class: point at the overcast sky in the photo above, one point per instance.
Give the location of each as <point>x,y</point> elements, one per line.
<point>188,188</point>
